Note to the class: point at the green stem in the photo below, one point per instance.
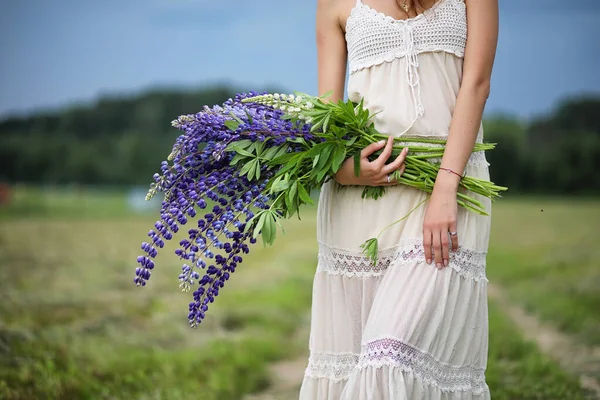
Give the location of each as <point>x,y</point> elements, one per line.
<point>403,218</point>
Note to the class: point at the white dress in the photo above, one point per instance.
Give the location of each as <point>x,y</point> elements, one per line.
<point>401,329</point>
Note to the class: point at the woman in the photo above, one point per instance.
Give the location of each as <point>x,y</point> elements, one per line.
<point>414,326</point>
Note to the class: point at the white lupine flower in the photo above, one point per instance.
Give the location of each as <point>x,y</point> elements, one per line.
<point>291,97</point>
<point>299,99</point>
<point>282,108</point>
<point>309,105</point>
<point>276,96</point>
<point>283,97</point>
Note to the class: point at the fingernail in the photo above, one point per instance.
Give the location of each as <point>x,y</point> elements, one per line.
<point>381,142</point>
<point>429,261</point>
<point>446,263</point>
<point>439,265</point>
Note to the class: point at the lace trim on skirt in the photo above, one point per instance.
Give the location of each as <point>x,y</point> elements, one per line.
<point>397,354</point>
<point>333,366</point>
<point>466,262</point>
<point>393,353</point>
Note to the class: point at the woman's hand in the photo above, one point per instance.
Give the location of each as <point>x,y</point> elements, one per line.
<point>439,226</point>
<point>372,173</point>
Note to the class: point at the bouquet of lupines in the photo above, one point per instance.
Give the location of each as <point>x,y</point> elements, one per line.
<point>253,161</point>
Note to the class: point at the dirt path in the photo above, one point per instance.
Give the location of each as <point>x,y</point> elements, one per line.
<point>580,360</point>
<point>286,375</point>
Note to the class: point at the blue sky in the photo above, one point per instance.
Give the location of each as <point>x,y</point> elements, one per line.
<point>56,53</point>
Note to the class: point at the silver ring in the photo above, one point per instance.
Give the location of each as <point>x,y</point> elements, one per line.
<point>389,179</point>
<point>453,233</point>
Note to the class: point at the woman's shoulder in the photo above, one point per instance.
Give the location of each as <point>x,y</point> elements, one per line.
<point>338,9</point>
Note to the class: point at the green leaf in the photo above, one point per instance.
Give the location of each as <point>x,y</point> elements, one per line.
<point>322,174</point>
<point>232,125</point>
<point>257,172</point>
<point>271,152</point>
<point>324,157</point>
<point>316,160</point>
<point>292,192</point>
<point>304,195</point>
<point>251,169</point>
<point>283,150</point>
<point>245,152</point>
<point>246,168</point>
<point>261,221</point>
<point>236,159</point>
<point>236,117</point>
<point>283,159</point>
<point>339,155</point>
<point>260,146</point>
<point>297,140</point>
<point>357,164</point>
<point>371,249</point>
<point>326,94</point>
<point>326,122</point>
<point>248,116</point>
<point>351,141</point>
<point>267,230</point>
<point>279,185</point>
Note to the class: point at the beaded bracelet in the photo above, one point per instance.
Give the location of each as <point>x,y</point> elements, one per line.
<point>453,172</point>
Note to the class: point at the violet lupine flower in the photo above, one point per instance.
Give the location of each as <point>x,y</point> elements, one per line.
<point>198,181</point>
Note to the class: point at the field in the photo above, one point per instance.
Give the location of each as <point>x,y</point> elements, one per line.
<point>73,325</point>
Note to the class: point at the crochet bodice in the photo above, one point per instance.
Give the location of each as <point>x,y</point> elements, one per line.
<point>373,37</point>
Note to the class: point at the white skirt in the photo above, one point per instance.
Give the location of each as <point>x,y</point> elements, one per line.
<point>401,329</point>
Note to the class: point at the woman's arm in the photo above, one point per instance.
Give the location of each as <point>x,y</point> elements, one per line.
<point>332,60</point>
<point>331,49</point>
<point>482,23</point>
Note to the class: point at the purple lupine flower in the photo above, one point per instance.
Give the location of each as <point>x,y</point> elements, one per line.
<point>198,181</point>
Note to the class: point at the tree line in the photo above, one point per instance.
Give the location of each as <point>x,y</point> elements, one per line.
<point>122,140</point>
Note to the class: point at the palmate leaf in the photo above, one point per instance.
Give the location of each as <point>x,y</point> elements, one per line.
<point>371,249</point>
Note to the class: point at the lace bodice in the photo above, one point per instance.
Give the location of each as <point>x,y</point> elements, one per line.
<point>373,37</point>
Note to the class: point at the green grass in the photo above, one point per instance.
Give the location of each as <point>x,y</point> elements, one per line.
<point>545,253</point>
<point>516,369</point>
<point>73,326</point>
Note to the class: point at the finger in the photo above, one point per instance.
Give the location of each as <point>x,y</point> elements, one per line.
<point>385,154</point>
<point>372,148</point>
<point>445,251</point>
<point>393,180</point>
<point>437,248</point>
<point>454,238</point>
<point>397,163</point>
<point>427,243</point>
